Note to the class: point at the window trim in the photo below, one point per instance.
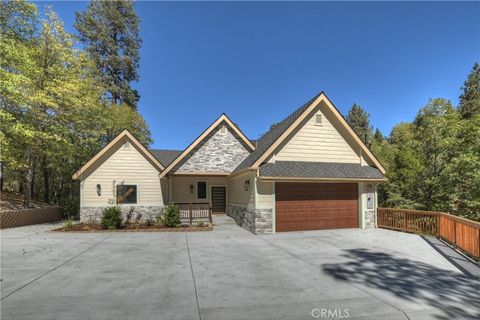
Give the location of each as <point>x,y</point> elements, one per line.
<point>206,190</point>
<point>321,119</point>
<point>127,184</point>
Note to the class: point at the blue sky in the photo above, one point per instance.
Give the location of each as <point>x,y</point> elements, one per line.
<point>258,61</point>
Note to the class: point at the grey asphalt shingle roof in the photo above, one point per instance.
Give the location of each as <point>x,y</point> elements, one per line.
<point>165,156</point>
<point>301,169</point>
<point>272,135</point>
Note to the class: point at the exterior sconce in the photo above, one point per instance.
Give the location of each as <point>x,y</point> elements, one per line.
<point>246,185</point>
<point>99,190</point>
<point>191,188</point>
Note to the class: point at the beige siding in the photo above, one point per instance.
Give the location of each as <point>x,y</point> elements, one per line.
<point>127,166</point>
<point>264,194</point>
<point>237,195</point>
<point>181,188</point>
<point>320,143</point>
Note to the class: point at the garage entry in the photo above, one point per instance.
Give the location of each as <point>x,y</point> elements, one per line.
<point>315,206</point>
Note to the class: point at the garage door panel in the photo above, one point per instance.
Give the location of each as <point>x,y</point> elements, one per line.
<point>314,206</point>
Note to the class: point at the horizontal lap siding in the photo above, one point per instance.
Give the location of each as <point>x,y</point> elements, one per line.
<point>313,206</point>
<point>125,165</point>
<point>319,143</point>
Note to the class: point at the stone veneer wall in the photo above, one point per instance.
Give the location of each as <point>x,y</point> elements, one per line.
<point>257,221</point>
<point>219,153</point>
<point>94,214</point>
<point>370,218</point>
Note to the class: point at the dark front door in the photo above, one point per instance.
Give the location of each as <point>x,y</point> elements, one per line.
<point>218,199</point>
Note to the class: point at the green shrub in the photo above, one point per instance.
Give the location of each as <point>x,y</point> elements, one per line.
<point>171,216</point>
<point>70,208</point>
<point>149,222</point>
<point>68,225</point>
<point>112,218</point>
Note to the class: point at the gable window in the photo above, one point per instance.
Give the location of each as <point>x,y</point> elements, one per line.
<point>318,119</point>
<point>201,190</point>
<point>126,194</point>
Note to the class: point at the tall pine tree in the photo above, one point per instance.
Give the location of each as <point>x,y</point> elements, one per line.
<point>359,120</point>
<point>470,98</point>
<point>110,32</point>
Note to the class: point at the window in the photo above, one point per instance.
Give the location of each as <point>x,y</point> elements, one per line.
<point>318,119</point>
<point>126,193</point>
<point>201,190</point>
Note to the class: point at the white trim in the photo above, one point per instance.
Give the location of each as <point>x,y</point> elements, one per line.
<point>206,190</point>
<point>361,213</point>
<point>274,210</point>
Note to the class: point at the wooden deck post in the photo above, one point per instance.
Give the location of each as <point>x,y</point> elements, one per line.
<point>190,213</point>
<point>210,214</point>
<point>405,218</point>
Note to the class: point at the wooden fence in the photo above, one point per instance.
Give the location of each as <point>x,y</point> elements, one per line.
<point>195,212</point>
<point>25,217</point>
<point>461,232</point>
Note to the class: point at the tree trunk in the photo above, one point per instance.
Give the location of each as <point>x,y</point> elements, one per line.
<point>46,181</point>
<point>1,175</point>
<point>27,195</point>
<point>32,184</point>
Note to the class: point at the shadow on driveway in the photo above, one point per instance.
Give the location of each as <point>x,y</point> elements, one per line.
<point>454,294</point>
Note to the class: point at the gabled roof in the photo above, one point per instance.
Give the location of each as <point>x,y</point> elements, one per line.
<point>272,135</point>
<point>121,138</point>
<point>222,118</point>
<point>165,156</point>
<point>267,144</point>
<point>319,170</point>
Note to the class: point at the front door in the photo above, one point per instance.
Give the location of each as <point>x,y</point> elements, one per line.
<point>218,199</point>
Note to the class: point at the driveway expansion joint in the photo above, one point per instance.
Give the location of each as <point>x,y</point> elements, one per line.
<point>55,268</point>
<point>193,277</point>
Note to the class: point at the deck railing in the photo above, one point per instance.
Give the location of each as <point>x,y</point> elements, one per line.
<point>195,212</point>
<point>461,232</point>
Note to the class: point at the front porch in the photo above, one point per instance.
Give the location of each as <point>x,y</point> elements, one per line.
<point>198,196</point>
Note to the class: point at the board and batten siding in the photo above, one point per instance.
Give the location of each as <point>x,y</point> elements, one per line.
<point>125,166</point>
<point>237,195</point>
<point>318,143</point>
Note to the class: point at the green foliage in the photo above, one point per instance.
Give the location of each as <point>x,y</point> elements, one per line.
<point>68,225</point>
<point>111,218</point>
<point>470,98</point>
<point>171,215</point>
<point>359,120</point>
<point>54,114</point>
<point>70,207</point>
<point>110,32</point>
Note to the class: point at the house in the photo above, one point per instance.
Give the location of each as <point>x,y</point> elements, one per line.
<point>308,172</point>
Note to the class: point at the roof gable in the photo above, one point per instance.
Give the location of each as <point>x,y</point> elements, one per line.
<point>223,119</point>
<point>109,149</point>
<point>271,140</point>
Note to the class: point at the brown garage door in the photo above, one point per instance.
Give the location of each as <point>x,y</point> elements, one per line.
<point>314,206</point>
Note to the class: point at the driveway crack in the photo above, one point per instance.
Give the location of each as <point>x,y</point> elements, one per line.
<point>55,268</point>
<point>193,277</point>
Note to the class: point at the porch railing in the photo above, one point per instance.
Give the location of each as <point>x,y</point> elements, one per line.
<point>195,212</point>
<point>461,232</point>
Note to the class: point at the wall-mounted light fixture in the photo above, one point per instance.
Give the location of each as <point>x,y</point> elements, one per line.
<point>99,190</point>
<point>246,185</point>
<point>191,188</point>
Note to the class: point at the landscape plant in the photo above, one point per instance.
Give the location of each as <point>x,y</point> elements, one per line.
<point>111,218</point>
<point>171,215</point>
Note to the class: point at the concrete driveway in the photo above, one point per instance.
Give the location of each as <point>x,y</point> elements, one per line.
<point>230,274</point>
